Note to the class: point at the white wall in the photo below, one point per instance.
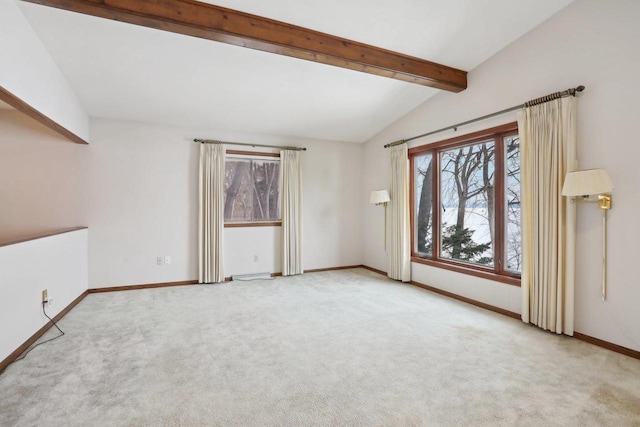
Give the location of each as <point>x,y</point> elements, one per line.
<point>242,244</point>
<point>142,203</point>
<point>28,72</point>
<point>56,263</point>
<point>332,191</point>
<point>592,43</point>
<point>41,178</point>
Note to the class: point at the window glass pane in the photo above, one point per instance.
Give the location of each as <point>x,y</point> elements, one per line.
<point>237,190</point>
<point>423,197</point>
<point>252,190</point>
<point>467,198</point>
<point>512,194</point>
<point>266,190</point>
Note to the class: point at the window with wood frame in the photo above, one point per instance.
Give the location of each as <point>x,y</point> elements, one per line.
<point>465,204</point>
<point>251,189</point>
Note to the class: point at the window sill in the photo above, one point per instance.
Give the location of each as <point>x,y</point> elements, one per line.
<point>253,224</point>
<point>453,266</point>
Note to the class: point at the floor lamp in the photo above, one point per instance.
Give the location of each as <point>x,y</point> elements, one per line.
<point>579,185</point>
<point>381,197</point>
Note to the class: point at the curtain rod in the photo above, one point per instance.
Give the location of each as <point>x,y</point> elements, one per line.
<point>550,97</point>
<point>213,141</point>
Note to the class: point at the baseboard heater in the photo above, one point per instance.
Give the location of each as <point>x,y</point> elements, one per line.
<point>254,276</point>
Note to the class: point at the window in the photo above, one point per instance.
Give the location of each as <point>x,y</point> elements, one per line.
<point>251,189</point>
<point>466,204</point>
<point>512,196</point>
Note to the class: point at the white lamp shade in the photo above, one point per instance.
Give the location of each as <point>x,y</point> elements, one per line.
<point>587,182</point>
<point>379,196</point>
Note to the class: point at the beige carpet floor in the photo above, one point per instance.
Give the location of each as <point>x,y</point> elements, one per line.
<point>340,348</point>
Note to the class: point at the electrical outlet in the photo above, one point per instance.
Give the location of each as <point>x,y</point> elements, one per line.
<point>167,259</point>
<point>44,295</point>
<point>49,301</point>
<point>160,260</point>
<point>255,258</point>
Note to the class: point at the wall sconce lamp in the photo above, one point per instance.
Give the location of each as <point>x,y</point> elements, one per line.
<point>579,185</point>
<point>381,197</point>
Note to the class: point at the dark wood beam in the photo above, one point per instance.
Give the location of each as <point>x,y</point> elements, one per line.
<point>27,109</point>
<point>224,25</point>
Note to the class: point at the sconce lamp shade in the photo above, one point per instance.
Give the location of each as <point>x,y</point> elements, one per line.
<point>379,196</point>
<point>587,182</point>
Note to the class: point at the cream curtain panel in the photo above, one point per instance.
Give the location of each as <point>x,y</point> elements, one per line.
<point>211,214</point>
<point>548,152</point>
<point>399,227</point>
<point>291,212</point>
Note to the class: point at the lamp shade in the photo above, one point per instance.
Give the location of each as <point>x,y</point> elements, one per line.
<point>379,196</point>
<point>587,182</point>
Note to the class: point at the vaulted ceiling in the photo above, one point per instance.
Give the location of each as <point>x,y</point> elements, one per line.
<point>129,72</point>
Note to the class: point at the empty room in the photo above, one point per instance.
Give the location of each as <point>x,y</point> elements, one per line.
<point>319,213</point>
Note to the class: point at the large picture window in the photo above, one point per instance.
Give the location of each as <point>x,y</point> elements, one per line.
<point>252,190</point>
<point>466,204</point>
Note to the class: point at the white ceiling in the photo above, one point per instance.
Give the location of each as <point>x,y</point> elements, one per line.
<point>129,72</point>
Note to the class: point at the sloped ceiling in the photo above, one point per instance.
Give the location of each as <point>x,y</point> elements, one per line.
<point>128,72</point>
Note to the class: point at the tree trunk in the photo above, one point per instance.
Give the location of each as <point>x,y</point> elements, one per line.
<point>257,208</point>
<point>270,173</point>
<point>462,186</point>
<point>424,213</point>
<point>489,191</point>
<point>238,173</point>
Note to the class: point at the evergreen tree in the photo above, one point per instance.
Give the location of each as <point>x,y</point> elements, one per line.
<point>459,240</point>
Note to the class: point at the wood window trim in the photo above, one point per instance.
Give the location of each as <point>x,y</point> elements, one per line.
<point>252,224</point>
<point>467,139</point>
<point>251,153</point>
<point>496,273</point>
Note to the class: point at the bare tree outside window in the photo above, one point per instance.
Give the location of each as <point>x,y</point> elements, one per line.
<point>423,180</point>
<point>266,190</point>
<point>512,194</point>
<point>467,191</point>
<point>252,190</point>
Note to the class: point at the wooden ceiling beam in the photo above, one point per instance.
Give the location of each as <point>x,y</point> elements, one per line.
<point>224,25</point>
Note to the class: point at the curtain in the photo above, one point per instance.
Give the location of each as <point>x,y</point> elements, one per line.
<point>548,152</point>
<point>211,214</point>
<point>291,212</point>
<point>399,227</point>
